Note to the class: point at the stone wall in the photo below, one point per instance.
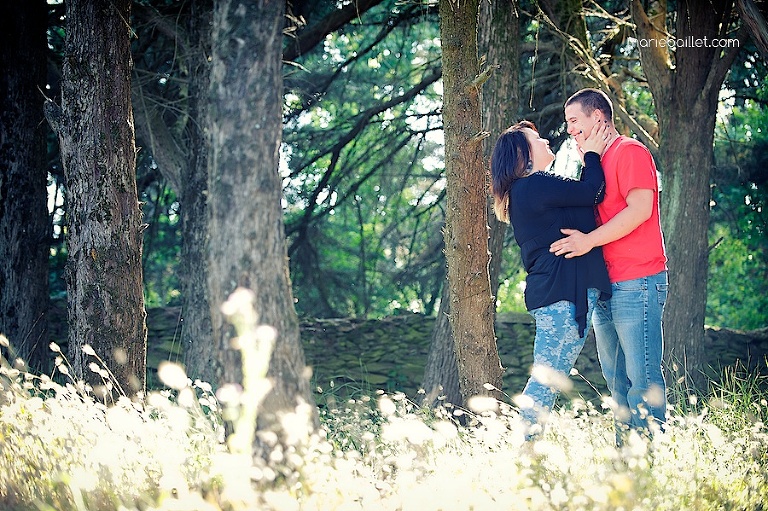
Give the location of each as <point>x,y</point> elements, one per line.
<point>390,353</point>
<point>359,355</point>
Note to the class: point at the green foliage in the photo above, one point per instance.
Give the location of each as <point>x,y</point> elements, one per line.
<point>362,179</point>
<point>362,159</point>
<point>739,399</point>
<point>736,296</point>
<point>510,296</point>
<point>738,262</point>
<point>162,246</point>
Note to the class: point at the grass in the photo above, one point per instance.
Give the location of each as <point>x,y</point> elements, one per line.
<point>62,448</point>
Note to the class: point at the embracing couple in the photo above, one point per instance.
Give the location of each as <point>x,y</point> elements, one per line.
<point>594,254</point>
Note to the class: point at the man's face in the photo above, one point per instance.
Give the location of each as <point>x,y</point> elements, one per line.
<point>579,123</point>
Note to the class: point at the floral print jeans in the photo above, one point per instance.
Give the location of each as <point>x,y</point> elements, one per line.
<point>556,347</point>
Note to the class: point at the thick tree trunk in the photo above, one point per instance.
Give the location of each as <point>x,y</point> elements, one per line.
<point>23,204</point>
<point>755,21</point>
<point>441,374</point>
<point>498,39</point>
<point>246,233</point>
<point>104,240</point>
<point>466,229</point>
<point>568,16</point>
<point>197,333</point>
<point>687,125</point>
<point>685,220</point>
<point>686,98</point>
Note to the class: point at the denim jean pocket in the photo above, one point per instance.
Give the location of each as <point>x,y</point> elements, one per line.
<point>630,285</point>
<point>661,292</point>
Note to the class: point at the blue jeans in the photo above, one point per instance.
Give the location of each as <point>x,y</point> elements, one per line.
<point>556,347</point>
<point>630,345</point>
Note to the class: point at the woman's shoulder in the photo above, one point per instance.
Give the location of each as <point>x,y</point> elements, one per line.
<point>547,176</point>
<point>529,191</point>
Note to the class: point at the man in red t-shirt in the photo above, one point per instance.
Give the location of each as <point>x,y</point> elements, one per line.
<point>628,327</point>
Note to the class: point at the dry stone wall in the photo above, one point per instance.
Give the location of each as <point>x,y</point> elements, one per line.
<point>362,356</point>
<point>389,354</point>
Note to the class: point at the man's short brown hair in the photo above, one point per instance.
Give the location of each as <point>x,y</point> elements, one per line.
<point>591,100</point>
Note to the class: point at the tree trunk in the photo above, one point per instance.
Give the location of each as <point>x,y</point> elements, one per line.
<point>246,233</point>
<point>466,229</point>
<point>197,332</point>
<point>104,237</point>
<point>758,27</point>
<point>686,97</point>
<point>685,219</point>
<point>441,374</point>
<point>499,40</point>
<point>23,204</point>
<point>568,16</point>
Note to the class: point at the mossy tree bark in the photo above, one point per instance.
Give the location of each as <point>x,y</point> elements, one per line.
<point>466,230</point>
<point>23,211</point>
<point>498,40</point>
<point>685,87</point>
<point>568,15</point>
<point>756,23</point>
<point>441,374</point>
<point>197,330</point>
<point>246,232</point>
<point>104,231</point>
<point>183,162</point>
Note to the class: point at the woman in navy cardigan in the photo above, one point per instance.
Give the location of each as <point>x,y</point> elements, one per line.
<point>559,293</point>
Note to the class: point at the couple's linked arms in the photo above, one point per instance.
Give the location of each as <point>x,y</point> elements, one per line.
<point>576,243</point>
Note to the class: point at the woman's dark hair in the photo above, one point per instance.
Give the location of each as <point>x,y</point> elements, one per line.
<point>509,162</point>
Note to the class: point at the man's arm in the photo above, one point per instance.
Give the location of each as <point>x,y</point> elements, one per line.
<point>639,209</point>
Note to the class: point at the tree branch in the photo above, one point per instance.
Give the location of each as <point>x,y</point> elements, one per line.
<point>721,65</point>
<point>656,60</point>
<point>595,74</point>
<point>310,37</point>
<point>313,95</point>
<point>755,22</point>
<point>151,127</point>
<point>367,115</point>
<point>483,76</point>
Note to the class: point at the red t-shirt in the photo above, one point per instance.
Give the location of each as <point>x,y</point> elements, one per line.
<point>628,164</point>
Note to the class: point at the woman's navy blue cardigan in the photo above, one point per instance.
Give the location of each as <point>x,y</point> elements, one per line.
<point>539,206</point>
